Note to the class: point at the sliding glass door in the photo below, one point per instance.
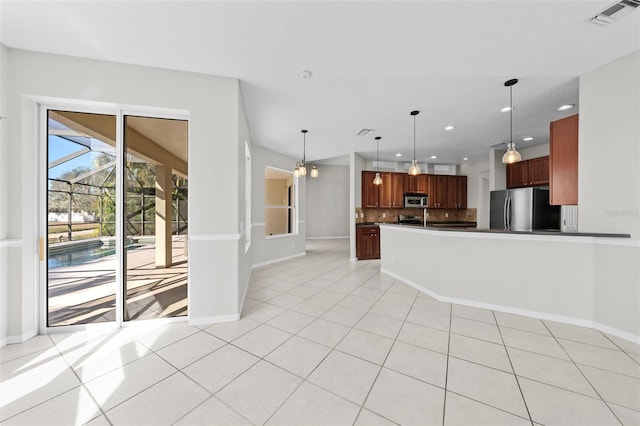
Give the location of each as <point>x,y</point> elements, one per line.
<point>96,263</point>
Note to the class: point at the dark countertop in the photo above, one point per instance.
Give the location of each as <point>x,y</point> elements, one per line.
<point>439,227</point>
<point>435,224</point>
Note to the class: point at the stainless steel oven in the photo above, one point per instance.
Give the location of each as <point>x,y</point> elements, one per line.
<point>416,200</point>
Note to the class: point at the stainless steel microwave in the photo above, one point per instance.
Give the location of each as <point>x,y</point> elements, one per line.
<point>416,200</point>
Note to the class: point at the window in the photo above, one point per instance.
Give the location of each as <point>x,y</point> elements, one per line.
<point>279,201</point>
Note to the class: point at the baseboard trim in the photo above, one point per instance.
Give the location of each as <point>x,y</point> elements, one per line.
<point>517,311</point>
<point>11,340</point>
<point>337,237</point>
<point>214,320</point>
<point>269,262</point>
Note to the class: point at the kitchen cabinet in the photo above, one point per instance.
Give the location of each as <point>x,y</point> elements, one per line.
<point>389,195</point>
<point>368,242</point>
<point>416,183</point>
<point>534,172</point>
<point>456,192</point>
<point>391,191</point>
<point>563,161</point>
<point>370,192</point>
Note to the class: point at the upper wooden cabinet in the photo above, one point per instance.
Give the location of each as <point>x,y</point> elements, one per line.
<point>370,192</point>
<point>563,161</point>
<point>444,191</point>
<point>457,192</point>
<point>389,195</point>
<point>534,172</point>
<point>391,191</point>
<point>415,183</point>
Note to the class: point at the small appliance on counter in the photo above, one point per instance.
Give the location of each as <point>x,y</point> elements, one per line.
<point>414,199</point>
<point>523,209</point>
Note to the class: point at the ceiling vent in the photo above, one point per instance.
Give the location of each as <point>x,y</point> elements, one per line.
<point>364,132</point>
<point>495,145</point>
<point>614,12</point>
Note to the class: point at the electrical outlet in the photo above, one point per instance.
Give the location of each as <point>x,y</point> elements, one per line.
<point>384,215</point>
<point>446,215</point>
<point>356,215</point>
<point>361,215</point>
<point>427,214</point>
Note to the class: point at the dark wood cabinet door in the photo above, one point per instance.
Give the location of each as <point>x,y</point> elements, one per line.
<point>398,190</point>
<point>442,186</point>
<point>538,171</point>
<point>456,192</point>
<point>410,183</point>
<point>386,191</point>
<point>432,190</point>
<point>422,184</point>
<point>368,242</point>
<point>563,161</point>
<point>370,192</point>
<point>517,174</point>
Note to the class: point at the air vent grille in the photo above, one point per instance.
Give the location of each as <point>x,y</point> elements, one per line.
<point>364,132</point>
<point>614,12</point>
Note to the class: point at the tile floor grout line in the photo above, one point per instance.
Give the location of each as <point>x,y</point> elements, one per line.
<point>446,374</point>
<point>373,383</point>
<point>304,380</point>
<point>524,400</point>
<point>583,375</point>
<point>620,348</point>
<point>82,383</point>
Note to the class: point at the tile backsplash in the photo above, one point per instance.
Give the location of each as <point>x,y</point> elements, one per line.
<point>434,215</point>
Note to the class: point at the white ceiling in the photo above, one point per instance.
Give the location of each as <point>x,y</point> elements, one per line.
<point>372,63</point>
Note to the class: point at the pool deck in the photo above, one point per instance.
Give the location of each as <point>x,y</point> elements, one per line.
<point>85,293</point>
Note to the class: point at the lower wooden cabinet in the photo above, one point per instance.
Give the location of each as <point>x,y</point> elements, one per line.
<point>368,242</point>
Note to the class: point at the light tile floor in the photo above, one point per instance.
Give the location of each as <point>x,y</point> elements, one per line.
<point>324,341</point>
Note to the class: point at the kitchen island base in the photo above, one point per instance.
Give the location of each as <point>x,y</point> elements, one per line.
<point>585,281</point>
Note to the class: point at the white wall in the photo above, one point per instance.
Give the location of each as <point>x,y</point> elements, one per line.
<point>356,165</point>
<point>212,105</point>
<point>243,249</point>
<point>328,203</point>
<point>4,193</point>
<point>270,249</point>
<point>609,148</point>
<point>534,151</point>
<point>578,280</point>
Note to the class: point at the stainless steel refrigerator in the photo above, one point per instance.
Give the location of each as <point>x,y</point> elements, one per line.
<point>523,209</point>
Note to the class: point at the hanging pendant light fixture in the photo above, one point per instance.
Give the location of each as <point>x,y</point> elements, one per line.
<point>511,156</point>
<point>377,180</point>
<point>414,169</point>
<point>301,167</point>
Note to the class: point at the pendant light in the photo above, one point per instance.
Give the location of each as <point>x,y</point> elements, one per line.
<point>511,156</point>
<point>414,169</point>
<point>377,180</point>
<point>301,168</point>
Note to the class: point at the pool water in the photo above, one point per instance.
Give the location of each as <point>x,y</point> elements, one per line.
<point>79,255</point>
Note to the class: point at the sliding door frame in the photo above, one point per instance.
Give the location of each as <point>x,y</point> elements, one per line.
<point>41,151</point>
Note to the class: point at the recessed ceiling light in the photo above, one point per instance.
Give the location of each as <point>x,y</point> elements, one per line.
<point>433,157</point>
<point>449,128</point>
<point>527,139</point>
<point>398,154</point>
<point>465,158</point>
<point>507,109</point>
<point>306,75</point>
<point>565,107</point>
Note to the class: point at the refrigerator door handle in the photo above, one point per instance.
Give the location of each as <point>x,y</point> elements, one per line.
<point>509,213</point>
<point>504,212</point>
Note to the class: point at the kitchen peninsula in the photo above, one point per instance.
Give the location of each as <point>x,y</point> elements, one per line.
<point>582,279</point>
